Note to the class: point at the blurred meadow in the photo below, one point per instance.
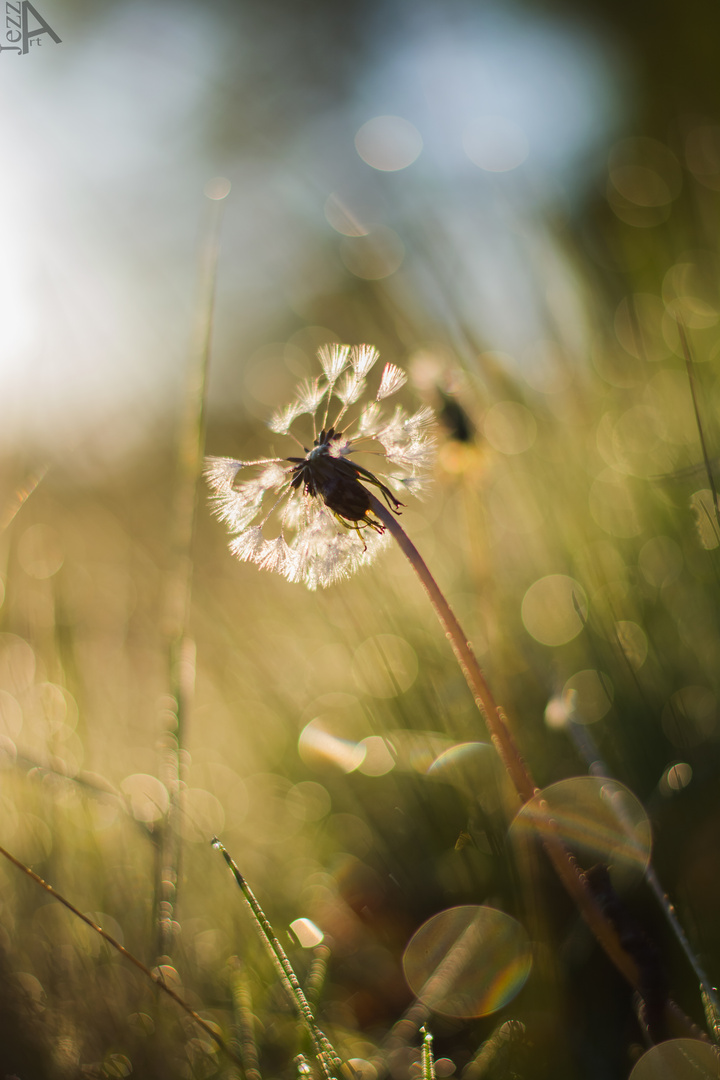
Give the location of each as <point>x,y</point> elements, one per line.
<point>518,204</point>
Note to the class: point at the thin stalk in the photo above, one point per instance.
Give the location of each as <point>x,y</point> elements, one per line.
<point>180,646</point>
<point>244,1022</point>
<point>567,869</point>
<point>325,1053</point>
<point>586,746</point>
<point>427,1056</point>
<point>401,1034</point>
<point>157,979</point>
<point>494,718</point>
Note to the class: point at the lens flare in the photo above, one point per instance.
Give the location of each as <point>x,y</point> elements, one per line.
<point>598,820</point>
<point>681,1059</point>
<point>468,961</point>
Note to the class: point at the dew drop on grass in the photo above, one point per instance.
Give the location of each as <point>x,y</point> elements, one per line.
<point>468,961</point>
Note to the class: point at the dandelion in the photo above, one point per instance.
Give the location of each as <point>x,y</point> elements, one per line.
<point>324,520</point>
<point>310,517</point>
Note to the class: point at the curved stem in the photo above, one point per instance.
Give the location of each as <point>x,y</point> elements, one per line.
<point>494,717</point>
<point>562,860</point>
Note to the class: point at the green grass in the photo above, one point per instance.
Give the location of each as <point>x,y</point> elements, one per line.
<point>367,857</point>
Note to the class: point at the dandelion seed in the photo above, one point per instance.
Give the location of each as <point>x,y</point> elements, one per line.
<point>282,420</point>
<point>370,418</point>
<point>392,379</point>
<point>350,389</point>
<point>309,396</point>
<point>310,518</point>
<point>363,358</point>
<point>333,360</point>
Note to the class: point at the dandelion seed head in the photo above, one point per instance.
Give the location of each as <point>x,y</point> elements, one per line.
<point>310,518</point>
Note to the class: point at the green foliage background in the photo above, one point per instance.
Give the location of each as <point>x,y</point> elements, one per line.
<point>598,477</point>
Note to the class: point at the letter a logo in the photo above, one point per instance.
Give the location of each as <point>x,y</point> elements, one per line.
<point>30,37</point>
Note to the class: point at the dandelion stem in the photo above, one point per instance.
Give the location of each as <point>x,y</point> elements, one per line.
<point>563,862</point>
<point>494,718</point>
<point>155,978</point>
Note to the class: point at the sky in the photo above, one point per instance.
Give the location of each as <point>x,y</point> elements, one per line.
<point>427,161</point>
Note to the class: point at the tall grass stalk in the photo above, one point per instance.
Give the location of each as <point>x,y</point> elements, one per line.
<point>327,1057</point>
<point>427,1056</point>
<point>401,1034</point>
<point>244,1021</point>
<point>180,646</point>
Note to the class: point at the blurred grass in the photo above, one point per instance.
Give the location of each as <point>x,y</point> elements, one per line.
<point>578,467</point>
